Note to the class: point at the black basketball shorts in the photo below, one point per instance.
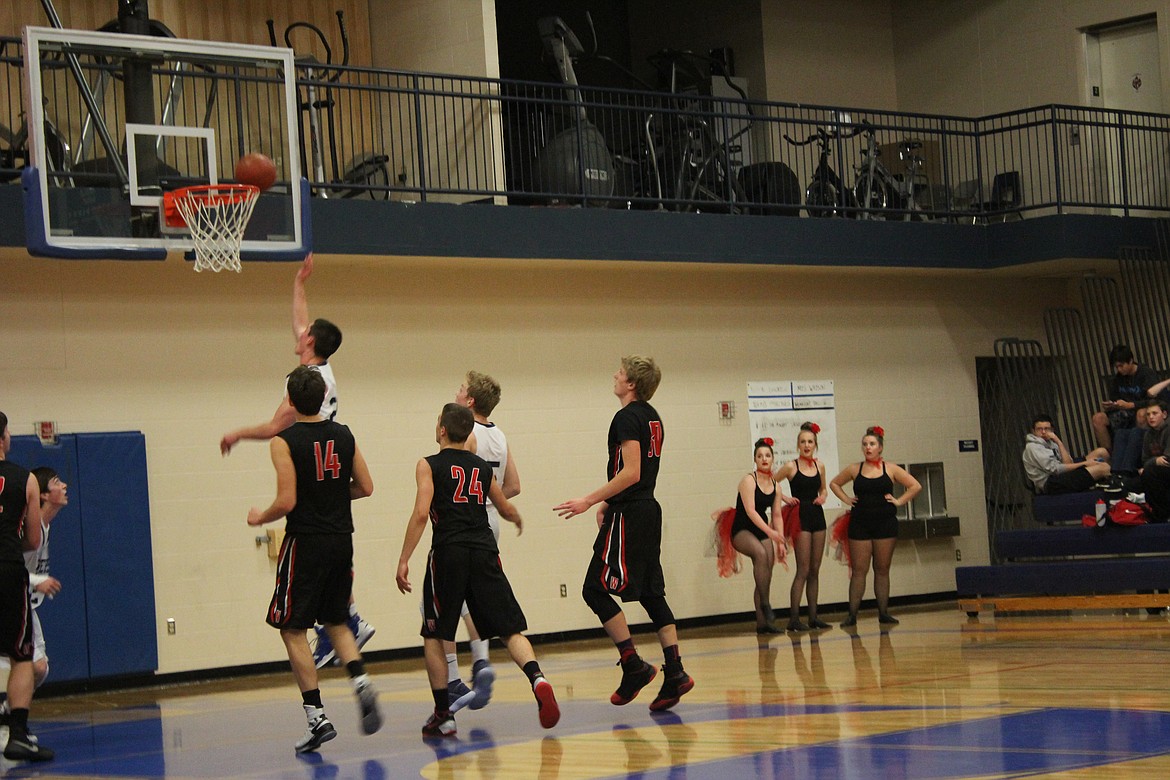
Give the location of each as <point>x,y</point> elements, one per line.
<point>457,574</point>
<point>314,580</point>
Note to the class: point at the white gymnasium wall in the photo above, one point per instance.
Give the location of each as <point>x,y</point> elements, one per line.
<point>102,346</point>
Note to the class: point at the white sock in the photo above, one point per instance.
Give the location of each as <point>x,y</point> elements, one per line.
<point>452,667</point>
<point>359,682</point>
<point>353,610</point>
<point>312,713</point>
<point>479,650</point>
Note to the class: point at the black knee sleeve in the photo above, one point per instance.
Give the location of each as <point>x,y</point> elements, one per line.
<point>659,611</point>
<point>602,604</point>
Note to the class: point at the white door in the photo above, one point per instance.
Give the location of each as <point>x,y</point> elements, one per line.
<point>1124,70</point>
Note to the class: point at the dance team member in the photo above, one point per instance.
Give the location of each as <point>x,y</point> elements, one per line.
<point>754,530</point>
<point>873,529</point>
<point>807,482</point>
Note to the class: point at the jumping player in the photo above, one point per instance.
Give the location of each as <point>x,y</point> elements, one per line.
<point>316,342</point>
<point>480,393</point>
<point>20,512</point>
<point>626,555</point>
<point>319,472</point>
<point>453,487</point>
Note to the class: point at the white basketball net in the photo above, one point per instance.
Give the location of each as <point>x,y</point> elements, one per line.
<point>216,215</point>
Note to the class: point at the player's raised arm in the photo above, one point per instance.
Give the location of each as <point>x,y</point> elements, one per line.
<point>300,302</point>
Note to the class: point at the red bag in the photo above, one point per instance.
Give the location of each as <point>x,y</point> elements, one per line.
<point>1126,512</point>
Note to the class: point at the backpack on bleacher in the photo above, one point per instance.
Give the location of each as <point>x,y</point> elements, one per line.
<point>1126,512</point>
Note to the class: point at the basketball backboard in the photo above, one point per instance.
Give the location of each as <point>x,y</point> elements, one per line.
<point>134,116</point>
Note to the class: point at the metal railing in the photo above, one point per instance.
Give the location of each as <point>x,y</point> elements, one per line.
<point>419,136</point>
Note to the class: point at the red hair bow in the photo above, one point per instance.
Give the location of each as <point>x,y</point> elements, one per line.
<point>816,429</point>
<point>768,441</point>
<point>879,431</point>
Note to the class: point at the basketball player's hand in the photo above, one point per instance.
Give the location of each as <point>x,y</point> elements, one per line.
<point>255,516</point>
<point>50,587</point>
<point>519,523</point>
<point>572,508</point>
<point>228,441</point>
<point>306,269</point>
<point>403,577</point>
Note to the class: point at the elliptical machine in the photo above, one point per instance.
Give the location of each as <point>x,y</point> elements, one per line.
<point>366,175</point>
<point>576,161</point>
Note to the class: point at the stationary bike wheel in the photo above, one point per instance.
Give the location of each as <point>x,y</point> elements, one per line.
<point>878,198</point>
<point>820,199</point>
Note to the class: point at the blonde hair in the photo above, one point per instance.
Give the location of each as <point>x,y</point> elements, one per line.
<point>644,373</point>
<point>484,390</point>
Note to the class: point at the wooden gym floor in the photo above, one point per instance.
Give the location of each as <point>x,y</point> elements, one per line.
<point>939,696</point>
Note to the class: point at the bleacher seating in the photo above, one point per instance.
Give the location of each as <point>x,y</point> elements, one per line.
<point>1063,567</point>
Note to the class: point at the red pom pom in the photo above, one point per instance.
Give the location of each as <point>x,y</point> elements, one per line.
<point>816,429</point>
<point>879,431</point>
<point>768,441</point>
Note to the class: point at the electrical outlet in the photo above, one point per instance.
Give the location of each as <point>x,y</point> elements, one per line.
<point>171,626</point>
<point>958,555</point>
<point>564,591</point>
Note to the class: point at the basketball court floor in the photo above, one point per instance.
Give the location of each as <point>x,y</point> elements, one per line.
<point>939,696</point>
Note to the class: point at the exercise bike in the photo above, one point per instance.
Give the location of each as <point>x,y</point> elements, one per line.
<point>826,195</point>
<point>366,175</point>
<point>877,190</point>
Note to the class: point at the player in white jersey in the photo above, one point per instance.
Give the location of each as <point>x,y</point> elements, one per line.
<point>491,445</point>
<point>40,584</point>
<point>316,341</point>
<point>481,393</point>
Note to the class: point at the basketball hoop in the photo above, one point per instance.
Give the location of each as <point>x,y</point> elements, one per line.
<point>216,215</point>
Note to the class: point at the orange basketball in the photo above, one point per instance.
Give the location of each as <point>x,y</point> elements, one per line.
<point>256,169</point>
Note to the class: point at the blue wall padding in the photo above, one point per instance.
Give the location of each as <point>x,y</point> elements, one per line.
<point>119,568</point>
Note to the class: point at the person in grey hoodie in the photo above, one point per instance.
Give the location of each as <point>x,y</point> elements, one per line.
<point>1052,469</point>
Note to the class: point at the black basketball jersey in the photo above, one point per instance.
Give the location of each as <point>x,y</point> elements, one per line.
<point>13,487</point>
<point>636,421</point>
<point>459,505</point>
<point>322,454</point>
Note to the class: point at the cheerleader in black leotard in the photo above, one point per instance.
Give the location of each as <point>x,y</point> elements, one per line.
<point>754,536</point>
<point>807,482</point>
<point>873,530</point>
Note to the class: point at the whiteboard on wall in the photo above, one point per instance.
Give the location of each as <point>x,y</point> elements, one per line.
<point>777,410</point>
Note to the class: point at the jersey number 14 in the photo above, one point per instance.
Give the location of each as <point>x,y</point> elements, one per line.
<point>327,461</point>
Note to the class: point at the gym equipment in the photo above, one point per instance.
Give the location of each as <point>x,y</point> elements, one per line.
<point>576,162</point>
<point>366,174</point>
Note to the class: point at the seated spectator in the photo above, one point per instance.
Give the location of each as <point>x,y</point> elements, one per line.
<point>1116,426</point>
<point>1155,477</point>
<point>1051,468</point>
